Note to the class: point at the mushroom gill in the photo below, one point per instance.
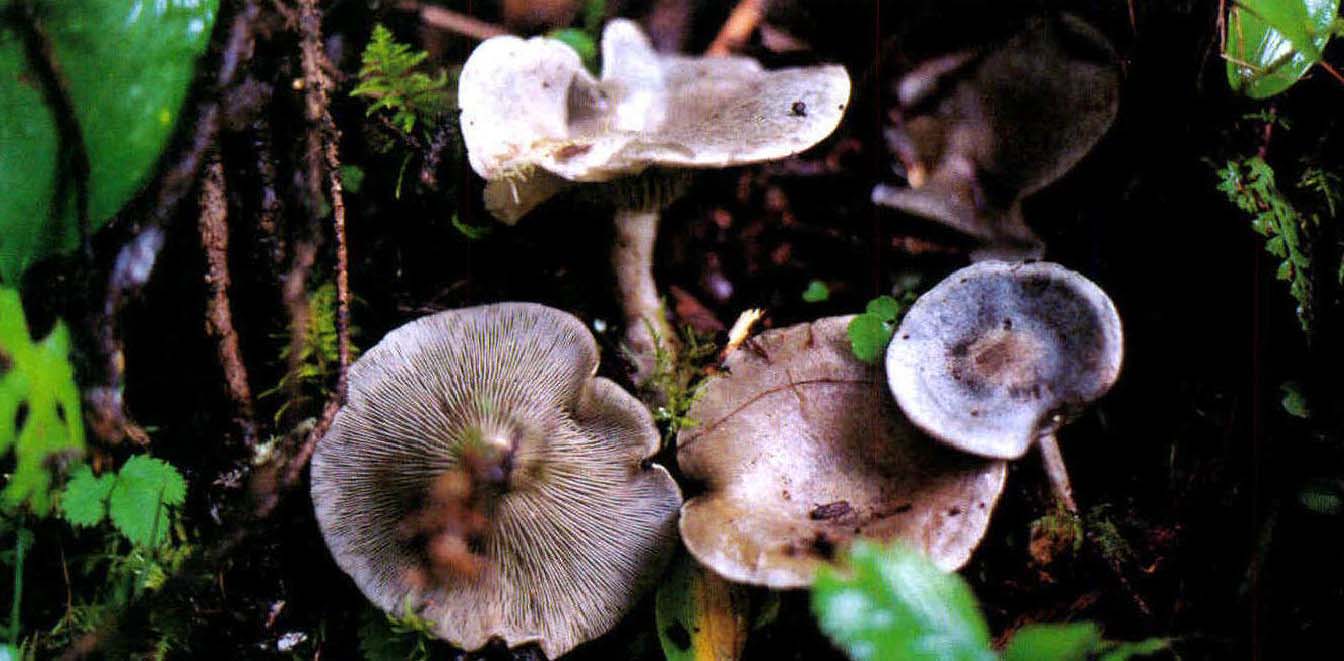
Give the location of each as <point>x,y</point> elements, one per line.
<point>482,474</point>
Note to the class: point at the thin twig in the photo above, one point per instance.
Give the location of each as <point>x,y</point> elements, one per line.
<point>455,22</point>
<point>214,229</point>
<point>317,98</point>
<point>736,31</point>
<point>1331,70</point>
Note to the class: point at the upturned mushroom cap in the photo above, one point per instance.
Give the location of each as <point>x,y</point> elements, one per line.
<point>531,113</point>
<point>977,132</point>
<point>1001,352</point>
<point>581,524</point>
<point>801,450</point>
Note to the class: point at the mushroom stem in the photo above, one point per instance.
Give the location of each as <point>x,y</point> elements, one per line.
<point>646,326</point>
<point>1057,473</point>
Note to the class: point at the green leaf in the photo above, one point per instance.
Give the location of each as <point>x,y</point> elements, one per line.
<point>700,615</point>
<point>1123,651</point>
<point>1271,43</point>
<point>385,637</point>
<point>816,292</point>
<point>581,42</point>
<point>37,380</point>
<point>84,501</point>
<point>140,500</point>
<point>895,604</point>
<point>1054,642</point>
<point>885,308</point>
<point>1294,401</point>
<point>1322,497</point>
<point>352,177</point>
<point>870,332</point>
<point>127,67</point>
<point>388,76</point>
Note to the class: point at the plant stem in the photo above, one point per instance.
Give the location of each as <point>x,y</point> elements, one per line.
<point>21,542</point>
<point>646,324</point>
<point>1057,473</point>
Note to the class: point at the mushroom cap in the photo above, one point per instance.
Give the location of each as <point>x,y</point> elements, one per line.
<point>585,523</point>
<point>530,104</point>
<point>999,353</point>
<point>801,451</point>
<point>980,132</point>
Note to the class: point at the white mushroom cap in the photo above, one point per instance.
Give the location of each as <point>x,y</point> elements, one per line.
<point>1000,353</point>
<point>529,104</point>
<point>801,451</point>
<point>582,523</point>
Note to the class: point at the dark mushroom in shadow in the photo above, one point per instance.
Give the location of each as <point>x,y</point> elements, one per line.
<point>979,131</point>
<point>481,475</point>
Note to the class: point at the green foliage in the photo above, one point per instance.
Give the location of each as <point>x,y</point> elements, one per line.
<point>1294,401</point>
<point>584,40</point>
<point>394,638</point>
<point>677,380</point>
<point>581,42</point>
<point>36,378</point>
<point>870,332</point>
<point>319,350</point>
<point>816,292</point>
<point>139,499</point>
<point>127,71</point>
<point>84,501</point>
<point>1053,641</point>
<point>472,232</point>
<point>1270,44</point>
<point>1322,497</point>
<point>388,76</point>
<point>1250,185</point>
<point>893,603</point>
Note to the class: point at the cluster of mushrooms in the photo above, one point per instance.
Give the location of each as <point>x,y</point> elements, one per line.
<point>482,476</point>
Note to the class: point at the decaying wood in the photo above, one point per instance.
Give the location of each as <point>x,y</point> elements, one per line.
<point>214,229</point>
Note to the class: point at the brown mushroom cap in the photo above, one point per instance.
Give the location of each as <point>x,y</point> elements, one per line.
<point>581,524</point>
<point>801,450</point>
<point>1001,352</point>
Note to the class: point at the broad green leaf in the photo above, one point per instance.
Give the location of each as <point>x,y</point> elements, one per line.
<point>1294,401</point>
<point>127,67</point>
<point>84,501</point>
<point>894,603</point>
<point>140,500</point>
<point>816,292</point>
<point>700,616</point>
<point>37,383</point>
<point>1271,43</point>
<point>1054,642</point>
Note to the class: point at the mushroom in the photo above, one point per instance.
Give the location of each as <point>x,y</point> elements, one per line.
<point>482,476</point>
<point>977,132</point>
<point>535,122</point>
<point>800,451</point>
<point>1000,355</point>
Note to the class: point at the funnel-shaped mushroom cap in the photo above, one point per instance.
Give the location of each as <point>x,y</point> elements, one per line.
<point>580,524</point>
<point>1001,352</point>
<point>530,104</point>
<point>978,132</point>
<point>801,450</point>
